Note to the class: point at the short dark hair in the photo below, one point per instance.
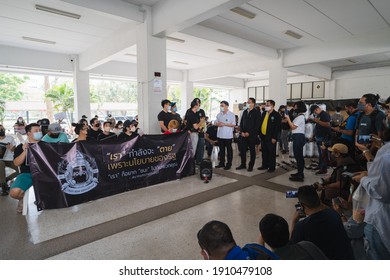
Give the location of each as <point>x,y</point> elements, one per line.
<point>215,235</point>
<point>338,109</point>
<point>271,101</point>
<point>274,230</point>
<point>197,100</point>
<point>93,120</point>
<point>252,99</point>
<point>164,102</point>
<point>352,104</point>
<point>301,107</point>
<point>371,99</point>
<point>106,122</point>
<point>78,127</point>
<point>194,103</point>
<point>30,126</point>
<point>225,102</point>
<point>308,196</point>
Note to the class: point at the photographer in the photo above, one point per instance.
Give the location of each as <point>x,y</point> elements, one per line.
<point>337,184</point>
<point>298,136</point>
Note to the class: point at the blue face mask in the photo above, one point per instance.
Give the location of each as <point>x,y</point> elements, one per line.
<point>174,109</point>
<point>361,107</point>
<point>221,109</point>
<point>37,135</point>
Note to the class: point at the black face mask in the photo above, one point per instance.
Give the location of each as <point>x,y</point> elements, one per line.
<point>2,133</point>
<point>52,135</point>
<point>97,125</point>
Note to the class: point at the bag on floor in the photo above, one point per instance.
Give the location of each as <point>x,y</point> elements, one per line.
<point>206,170</point>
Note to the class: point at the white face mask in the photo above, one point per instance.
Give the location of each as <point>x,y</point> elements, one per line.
<point>268,108</point>
<point>221,109</point>
<point>174,130</point>
<point>169,108</point>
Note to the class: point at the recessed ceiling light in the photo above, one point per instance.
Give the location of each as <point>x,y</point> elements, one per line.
<point>243,12</point>
<point>38,40</point>
<point>225,51</point>
<point>180,62</point>
<point>293,34</point>
<point>57,12</point>
<point>175,39</point>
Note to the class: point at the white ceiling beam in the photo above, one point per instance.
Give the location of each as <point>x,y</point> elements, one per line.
<point>118,9</point>
<point>371,43</point>
<point>228,69</point>
<point>316,70</point>
<point>230,40</point>
<point>171,16</point>
<point>110,47</point>
<point>230,82</point>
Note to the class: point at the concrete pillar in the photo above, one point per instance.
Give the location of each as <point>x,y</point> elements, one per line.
<point>151,59</point>
<point>278,82</point>
<point>187,91</point>
<point>82,105</point>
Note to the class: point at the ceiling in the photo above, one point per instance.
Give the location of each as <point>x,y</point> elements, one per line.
<point>325,27</point>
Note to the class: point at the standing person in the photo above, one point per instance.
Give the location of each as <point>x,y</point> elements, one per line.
<point>164,116</point>
<point>201,142</point>
<point>298,137</point>
<point>175,115</point>
<point>249,127</point>
<point>226,122</point>
<point>322,134</point>
<point>94,130</point>
<point>285,129</point>
<point>55,135</point>
<point>193,124</point>
<point>81,129</point>
<point>269,132</point>
<point>106,134</point>
<point>24,180</point>
<point>7,145</point>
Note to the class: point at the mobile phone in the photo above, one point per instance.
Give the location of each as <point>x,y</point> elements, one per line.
<point>299,208</point>
<point>291,194</point>
<point>336,200</point>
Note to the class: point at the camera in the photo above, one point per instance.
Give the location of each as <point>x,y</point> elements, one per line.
<point>291,194</point>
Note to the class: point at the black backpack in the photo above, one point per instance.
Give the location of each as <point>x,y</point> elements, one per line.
<point>206,170</point>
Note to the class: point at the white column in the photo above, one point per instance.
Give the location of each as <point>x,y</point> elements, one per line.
<point>82,104</point>
<point>187,91</point>
<point>278,82</point>
<point>151,58</point>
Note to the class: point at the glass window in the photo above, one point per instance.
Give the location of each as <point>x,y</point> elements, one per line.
<point>296,91</point>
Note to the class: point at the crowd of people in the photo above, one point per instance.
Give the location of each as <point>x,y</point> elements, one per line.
<point>329,221</point>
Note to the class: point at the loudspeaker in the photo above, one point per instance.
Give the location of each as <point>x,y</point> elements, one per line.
<point>206,170</point>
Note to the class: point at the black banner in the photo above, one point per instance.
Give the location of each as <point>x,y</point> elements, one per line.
<point>69,174</point>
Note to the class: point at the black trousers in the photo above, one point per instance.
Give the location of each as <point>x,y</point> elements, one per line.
<point>268,151</point>
<point>245,143</point>
<point>225,144</point>
<point>298,144</point>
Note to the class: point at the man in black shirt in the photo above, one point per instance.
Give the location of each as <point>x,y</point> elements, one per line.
<point>249,127</point>
<point>193,124</point>
<point>322,226</point>
<point>94,130</point>
<point>24,180</point>
<point>201,142</point>
<point>164,117</point>
<point>106,135</point>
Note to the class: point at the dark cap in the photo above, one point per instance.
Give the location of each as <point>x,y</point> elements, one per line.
<point>173,104</point>
<point>55,128</point>
<point>84,117</point>
<point>313,108</point>
<point>45,122</point>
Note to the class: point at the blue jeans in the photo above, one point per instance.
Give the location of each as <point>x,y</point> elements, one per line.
<point>298,143</point>
<point>322,163</point>
<point>376,250</point>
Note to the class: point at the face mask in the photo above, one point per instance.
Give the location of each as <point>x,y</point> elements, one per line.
<point>54,135</point>
<point>169,108</point>
<point>268,108</point>
<point>37,135</point>
<point>221,109</point>
<point>174,109</point>
<point>120,127</point>
<point>2,133</point>
<point>361,107</point>
<point>97,125</point>
<point>337,113</point>
<point>132,129</point>
<point>174,130</point>
<point>246,106</point>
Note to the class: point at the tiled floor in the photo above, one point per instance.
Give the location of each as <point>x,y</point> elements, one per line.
<point>158,222</point>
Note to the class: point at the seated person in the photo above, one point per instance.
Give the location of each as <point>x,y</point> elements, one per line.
<point>217,243</point>
<point>322,226</point>
<point>274,231</point>
<point>7,147</point>
<point>211,138</point>
<point>333,186</point>
<point>173,127</point>
<point>55,135</point>
<point>81,129</point>
<point>106,134</point>
<point>24,180</point>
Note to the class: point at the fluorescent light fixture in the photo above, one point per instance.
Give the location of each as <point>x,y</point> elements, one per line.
<point>351,61</point>
<point>175,39</point>
<point>180,62</point>
<point>225,51</point>
<point>293,34</point>
<point>38,40</point>
<point>243,12</point>
<point>57,12</point>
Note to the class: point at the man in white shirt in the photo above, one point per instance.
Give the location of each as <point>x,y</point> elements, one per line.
<point>225,123</point>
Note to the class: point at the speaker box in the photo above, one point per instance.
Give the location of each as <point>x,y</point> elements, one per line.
<point>206,170</point>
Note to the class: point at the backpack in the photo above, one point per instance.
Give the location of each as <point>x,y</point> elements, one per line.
<point>259,252</point>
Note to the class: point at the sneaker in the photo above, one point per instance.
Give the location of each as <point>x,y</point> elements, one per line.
<point>320,172</point>
<point>19,209</point>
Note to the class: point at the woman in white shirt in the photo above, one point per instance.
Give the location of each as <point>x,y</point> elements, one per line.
<point>7,147</point>
<point>298,136</point>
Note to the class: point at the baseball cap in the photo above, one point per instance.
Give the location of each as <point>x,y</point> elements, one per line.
<point>340,148</point>
<point>54,128</point>
<point>45,122</point>
<point>173,104</point>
